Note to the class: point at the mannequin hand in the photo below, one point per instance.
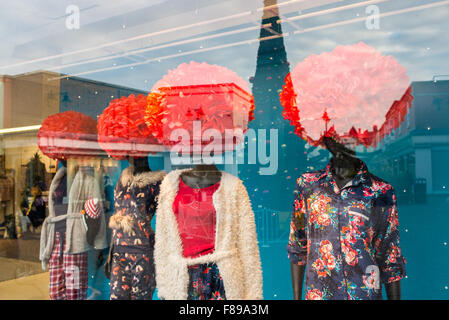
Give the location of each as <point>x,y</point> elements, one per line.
<point>297,273</point>
<point>393,290</point>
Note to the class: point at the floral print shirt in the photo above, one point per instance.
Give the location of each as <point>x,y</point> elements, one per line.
<point>348,238</point>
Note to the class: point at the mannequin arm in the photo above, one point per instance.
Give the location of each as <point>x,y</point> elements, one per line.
<point>297,280</point>
<point>100,258</point>
<point>387,246</point>
<point>393,290</point>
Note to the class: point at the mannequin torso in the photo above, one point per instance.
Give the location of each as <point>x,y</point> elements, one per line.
<point>344,166</point>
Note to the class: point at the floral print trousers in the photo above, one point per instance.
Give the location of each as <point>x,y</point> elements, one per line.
<point>205,283</point>
<point>132,276</point>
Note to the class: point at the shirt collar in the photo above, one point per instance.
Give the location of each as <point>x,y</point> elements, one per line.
<point>362,176</point>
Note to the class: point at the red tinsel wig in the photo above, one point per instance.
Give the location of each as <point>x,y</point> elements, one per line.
<point>67,134</point>
<point>122,130</point>
<point>200,95</point>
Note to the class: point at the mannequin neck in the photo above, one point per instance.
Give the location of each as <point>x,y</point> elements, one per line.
<point>344,163</point>
<point>201,176</point>
<point>344,169</point>
<point>139,165</point>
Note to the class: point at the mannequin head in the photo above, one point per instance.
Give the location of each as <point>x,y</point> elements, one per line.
<point>140,164</point>
<point>336,148</point>
<point>344,161</point>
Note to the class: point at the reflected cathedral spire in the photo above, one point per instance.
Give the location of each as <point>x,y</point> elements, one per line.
<point>273,192</point>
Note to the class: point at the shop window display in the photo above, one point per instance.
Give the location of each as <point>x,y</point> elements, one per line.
<point>154,150</point>
<point>344,226</point>
<point>75,220</point>
<point>130,266</point>
<point>206,242</point>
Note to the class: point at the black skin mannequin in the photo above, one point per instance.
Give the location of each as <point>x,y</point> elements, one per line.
<point>345,165</point>
<point>201,176</point>
<point>140,164</point>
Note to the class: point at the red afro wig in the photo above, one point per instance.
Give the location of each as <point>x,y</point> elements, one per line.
<point>67,134</point>
<point>197,97</point>
<point>122,130</point>
<point>350,94</point>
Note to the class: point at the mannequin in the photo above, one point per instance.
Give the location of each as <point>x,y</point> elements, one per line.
<point>130,264</point>
<point>58,207</point>
<point>64,243</point>
<point>202,176</point>
<point>206,237</point>
<point>139,165</point>
<point>344,166</point>
<point>93,225</point>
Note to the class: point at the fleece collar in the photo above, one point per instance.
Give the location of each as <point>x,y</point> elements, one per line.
<point>141,179</point>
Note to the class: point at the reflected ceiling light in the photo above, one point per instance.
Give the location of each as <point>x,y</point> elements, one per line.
<point>176,43</point>
<point>277,5</point>
<point>20,129</point>
<point>247,42</point>
<point>113,43</point>
<point>147,35</point>
<point>159,59</point>
<point>250,41</point>
<point>382,14</point>
<point>327,11</point>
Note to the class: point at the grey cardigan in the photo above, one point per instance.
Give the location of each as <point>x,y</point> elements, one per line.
<point>84,187</point>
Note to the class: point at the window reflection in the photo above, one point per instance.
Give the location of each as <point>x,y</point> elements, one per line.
<point>101,75</point>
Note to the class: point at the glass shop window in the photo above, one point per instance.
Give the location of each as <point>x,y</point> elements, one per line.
<point>101,104</point>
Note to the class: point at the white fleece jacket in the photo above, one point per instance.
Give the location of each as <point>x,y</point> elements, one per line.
<point>236,248</point>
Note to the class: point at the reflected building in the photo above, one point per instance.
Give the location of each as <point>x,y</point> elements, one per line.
<point>411,150</point>
<point>414,156</point>
<point>25,101</point>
